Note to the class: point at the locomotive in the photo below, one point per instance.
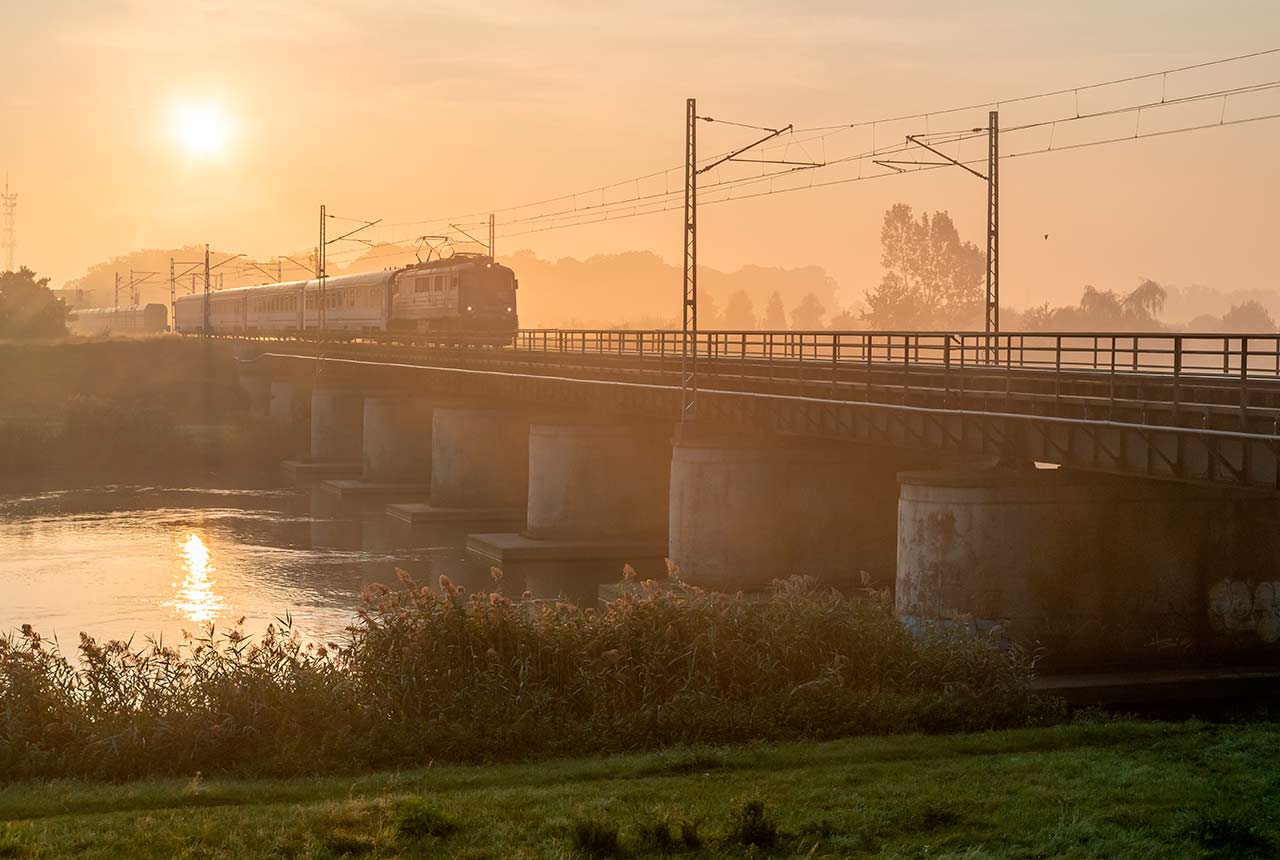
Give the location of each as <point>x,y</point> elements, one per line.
<point>465,293</point>
<point>130,320</point>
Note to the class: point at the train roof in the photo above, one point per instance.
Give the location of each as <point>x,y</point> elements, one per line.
<point>363,279</point>
<point>119,310</point>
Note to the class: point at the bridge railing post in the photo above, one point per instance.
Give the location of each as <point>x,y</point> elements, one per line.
<point>1244,383</point>
<point>1111,410</point>
<point>1057,376</point>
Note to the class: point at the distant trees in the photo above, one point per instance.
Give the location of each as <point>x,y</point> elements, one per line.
<point>932,278</point>
<point>1103,310</point>
<point>1248,317</point>
<point>739,313</point>
<point>807,316</point>
<point>28,309</point>
<point>775,315</point>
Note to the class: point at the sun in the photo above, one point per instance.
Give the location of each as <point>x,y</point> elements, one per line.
<point>203,130</point>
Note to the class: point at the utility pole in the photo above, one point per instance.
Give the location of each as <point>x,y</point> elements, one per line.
<point>10,242</point>
<point>207,322</point>
<point>322,256</point>
<point>689,305</point>
<point>117,291</point>
<point>689,328</point>
<point>991,326</point>
<point>993,224</point>
<point>490,235</point>
<point>173,297</point>
<point>320,271</point>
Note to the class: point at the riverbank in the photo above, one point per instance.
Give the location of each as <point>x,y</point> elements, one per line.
<point>1105,789</point>
<point>125,409</point>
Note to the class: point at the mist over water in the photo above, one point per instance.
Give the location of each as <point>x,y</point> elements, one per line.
<point>136,561</point>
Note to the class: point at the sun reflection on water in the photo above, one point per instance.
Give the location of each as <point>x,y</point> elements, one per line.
<point>195,597</point>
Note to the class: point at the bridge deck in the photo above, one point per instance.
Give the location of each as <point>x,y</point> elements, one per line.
<point>1183,407</point>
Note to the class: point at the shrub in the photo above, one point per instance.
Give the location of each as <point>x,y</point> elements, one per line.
<point>595,837</point>
<point>434,674</point>
<point>753,827</point>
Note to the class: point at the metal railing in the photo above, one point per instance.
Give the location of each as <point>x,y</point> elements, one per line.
<point>1202,355</point>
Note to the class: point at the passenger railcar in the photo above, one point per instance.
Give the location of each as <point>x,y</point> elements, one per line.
<point>129,320</point>
<point>465,293</point>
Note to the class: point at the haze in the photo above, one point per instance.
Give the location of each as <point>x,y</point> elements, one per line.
<point>136,124</point>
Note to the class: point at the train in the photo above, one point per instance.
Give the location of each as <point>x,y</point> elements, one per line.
<point>465,293</point>
<point>129,320</point>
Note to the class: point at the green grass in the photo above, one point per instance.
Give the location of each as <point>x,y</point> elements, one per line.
<point>1120,789</point>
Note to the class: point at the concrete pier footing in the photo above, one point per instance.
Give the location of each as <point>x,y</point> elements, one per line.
<point>598,494</point>
<point>1097,571</point>
<point>748,510</point>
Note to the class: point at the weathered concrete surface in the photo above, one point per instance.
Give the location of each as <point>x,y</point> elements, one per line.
<point>362,489</point>
<point>479,458</point>
<point>258,388</point>
<point>290,404</point>
<point>598,480</point>
<point>571,570</point>
<point>1098,571</point>
<point>417,513</point>
<point>748,510</point>
<point>396,438</point>
<point>337,423</point>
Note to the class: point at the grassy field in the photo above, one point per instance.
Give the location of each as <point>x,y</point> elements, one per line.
<point>1118,789</point>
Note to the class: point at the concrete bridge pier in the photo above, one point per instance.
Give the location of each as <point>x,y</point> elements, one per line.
<point>1099,571</point>
<point>258,388</point>
<point>597,501</point>
<point>337,423</point>
<point>290,403</point>
<point>479,467</point>
<point>396,445</point>
<point>747,510</point>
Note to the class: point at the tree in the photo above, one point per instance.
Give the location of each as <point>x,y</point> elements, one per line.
<point>739,313</point>
<point>845,320</point>
<point>1248,317</point>
<point>775,316</point>
<point>807,316</point>
<point>28,309</point>
<point>932,278</point>
<point>709,316</point>
<point>1144,304</point>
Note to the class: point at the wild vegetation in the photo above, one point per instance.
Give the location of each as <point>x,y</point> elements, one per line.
<point>28,308</point>
<point>1093,788</point>
<point>127,408</point>
<point>434,674</point>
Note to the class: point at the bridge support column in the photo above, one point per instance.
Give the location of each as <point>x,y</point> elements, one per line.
<point>290,404</point>
<point>748,510</point>
<point>396,441</point>
<point>597,500</point>
<point>1098,571</point>
<point>258,388</point>
<point>337,420</point>
<point>479,467</point>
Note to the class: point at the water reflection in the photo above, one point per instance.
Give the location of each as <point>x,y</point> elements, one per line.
<point>122,561</point>
<point>195,597</point>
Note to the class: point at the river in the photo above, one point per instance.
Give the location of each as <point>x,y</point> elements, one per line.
<point>136,561</point>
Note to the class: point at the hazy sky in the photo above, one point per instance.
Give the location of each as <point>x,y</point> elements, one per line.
<point>413,110</point>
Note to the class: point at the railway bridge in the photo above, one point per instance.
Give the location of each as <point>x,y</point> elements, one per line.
<point>1109,496</point>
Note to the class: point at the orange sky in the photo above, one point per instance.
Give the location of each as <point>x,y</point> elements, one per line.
<point>411,110</point>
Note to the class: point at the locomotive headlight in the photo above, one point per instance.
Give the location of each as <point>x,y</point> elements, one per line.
<point>468,308</point>
<point>508,310</point>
